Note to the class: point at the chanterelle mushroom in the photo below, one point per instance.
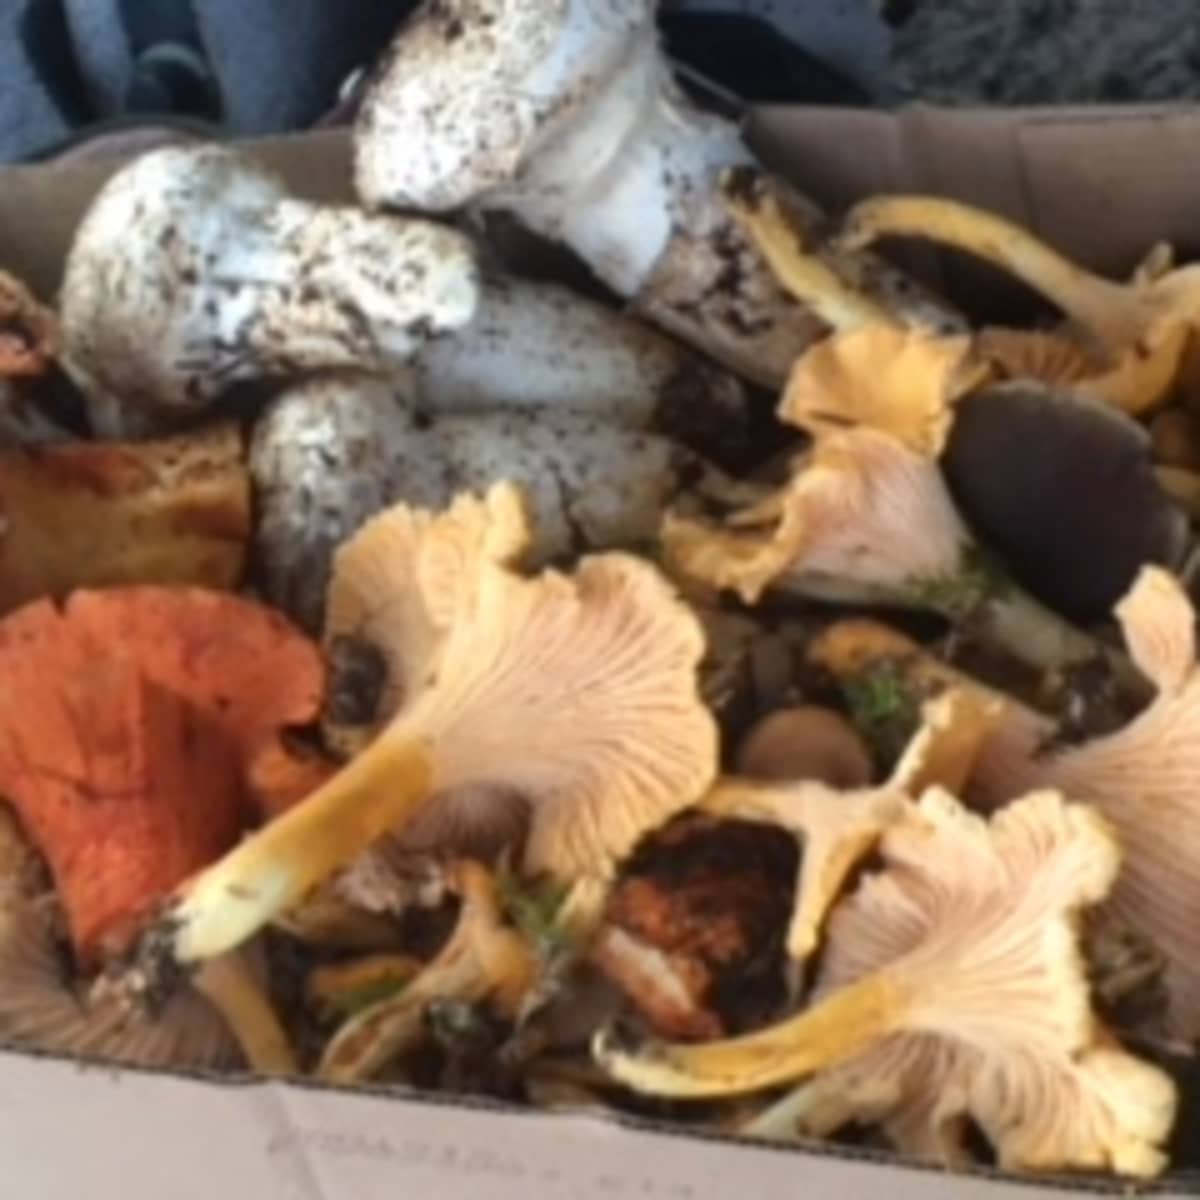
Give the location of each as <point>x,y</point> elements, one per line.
<point>332,452</point>
<point>194,269</point>
<point>485,959</point>
<point>1088,512</point>
<point>838,828</point>
<point>1126,343</point>
<point>574,697</point>
<point>953,988</point>
<point>565,114</point>
<point>1140,778</point>
<point>865,519</point>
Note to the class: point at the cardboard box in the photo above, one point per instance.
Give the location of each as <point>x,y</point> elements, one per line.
<point>1102,184</point>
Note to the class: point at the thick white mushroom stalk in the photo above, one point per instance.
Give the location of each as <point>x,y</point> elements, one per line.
<point>333,451</point>
<point>565,114</point>
<point>194,269</point>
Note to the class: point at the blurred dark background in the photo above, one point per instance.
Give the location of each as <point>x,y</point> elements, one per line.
<point>73,70</point>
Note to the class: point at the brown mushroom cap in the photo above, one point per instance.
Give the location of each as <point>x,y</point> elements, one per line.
<point>807,742</point>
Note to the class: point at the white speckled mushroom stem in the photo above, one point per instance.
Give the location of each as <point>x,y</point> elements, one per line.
<point>541,347</point>
<point>634,191</point>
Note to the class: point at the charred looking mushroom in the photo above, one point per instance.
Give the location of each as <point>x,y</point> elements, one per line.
<point>332,452</point>
<point>573,698</point>
<point>194,270</point>
<point>566,116</point>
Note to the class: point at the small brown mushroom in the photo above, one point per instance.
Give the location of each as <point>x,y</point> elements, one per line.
<point>808,742</point>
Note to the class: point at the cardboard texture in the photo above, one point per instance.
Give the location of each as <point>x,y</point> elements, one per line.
<point>1104,185</point>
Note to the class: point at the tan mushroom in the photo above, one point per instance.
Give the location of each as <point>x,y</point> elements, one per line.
<point>865,519</point>
<point>574,697</point>
<point>838,829</point>
<point>953,988</point>
<point>806,742</point>
<point>485,959</point>
<point>1141,778</point>
<point>1126,344</point>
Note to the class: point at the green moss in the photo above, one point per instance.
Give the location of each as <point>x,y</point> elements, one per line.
<point>533,906</point>
<point>885,709</point>
<point>958,597</point>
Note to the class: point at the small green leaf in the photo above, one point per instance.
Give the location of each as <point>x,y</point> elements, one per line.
<point>533,907</point>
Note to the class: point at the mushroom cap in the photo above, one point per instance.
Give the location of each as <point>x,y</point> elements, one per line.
<point>333,452</point>
<point>902,382</point>
<point>806,742</point>
<point>38,1007</point>
<point>981,921</point>
<point>469,91</point>
<point>1082,462</point>
<point>953,988</point>
<point>194,269</point>
<point>101,514</point>
<point>1143,778</point>
<point>129,726</point>
<point>863,517</point>
<point>573,695</point>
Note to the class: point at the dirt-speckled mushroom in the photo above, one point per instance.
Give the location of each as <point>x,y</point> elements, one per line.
<point>566,115</point>
<point>540,347</point>
<point>194,269</point>
<point>332,452</point>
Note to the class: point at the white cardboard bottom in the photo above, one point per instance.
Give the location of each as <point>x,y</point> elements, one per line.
<point>83,1133</point>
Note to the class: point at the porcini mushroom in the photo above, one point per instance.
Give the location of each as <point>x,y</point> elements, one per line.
<point>485,959</point>
<point>1132,338</point>
<point>953,988</point>
<point>864,519</point>
<point>102,514</point>
<point>194,269</point>
<point>332,452</point>
<point>567,117</point>
<point>540,347</point>
<point>574,697</point>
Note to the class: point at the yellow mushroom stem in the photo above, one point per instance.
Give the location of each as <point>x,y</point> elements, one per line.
<point>754,205</point>
<point>230,987</point>
<point>833,1031</point>
<point>1113,313</point>
<point>281,863</point>
<point>334,982</point>
<point>485,959</point>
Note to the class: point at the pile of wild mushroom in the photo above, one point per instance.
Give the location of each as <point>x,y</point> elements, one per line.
<point>417,674</point>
